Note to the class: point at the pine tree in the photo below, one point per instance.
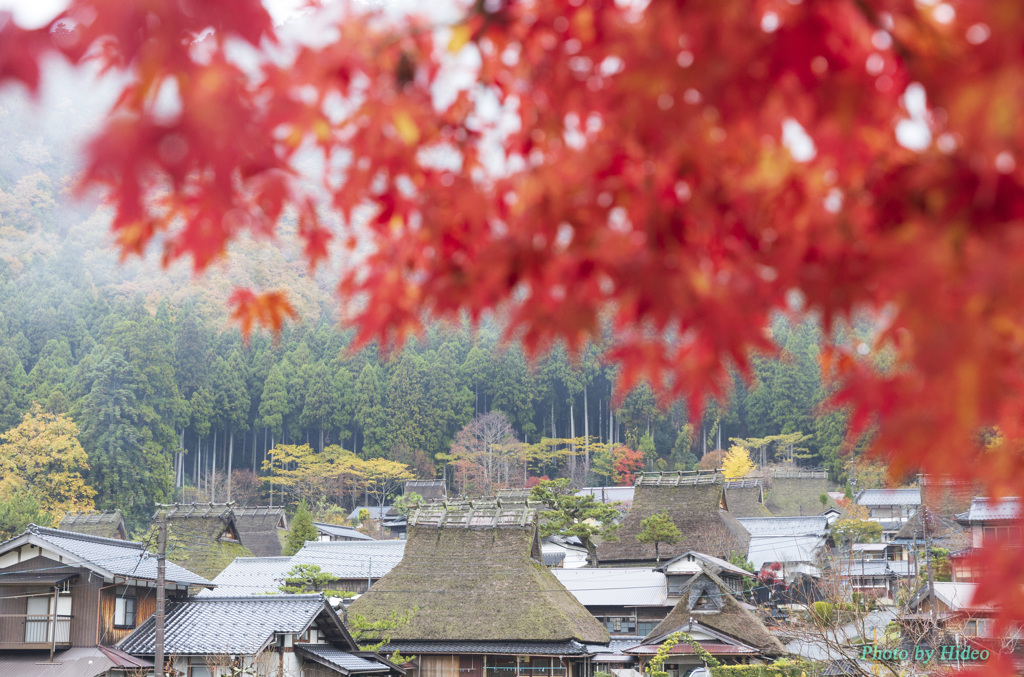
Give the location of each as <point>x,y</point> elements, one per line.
<point>659,528</point>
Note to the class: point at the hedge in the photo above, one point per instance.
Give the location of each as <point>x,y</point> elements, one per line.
<point>783,668</point>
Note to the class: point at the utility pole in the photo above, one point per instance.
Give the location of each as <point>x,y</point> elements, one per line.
<point>928,564</point>
<point>161,597</point>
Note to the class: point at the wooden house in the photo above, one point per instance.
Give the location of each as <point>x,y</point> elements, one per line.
<point>745,497</point>
<point>68,598</point>
<point>485,605</point>
<point>697,505</point>
<point>261,529</point>
<point>202,537</point>
<point>105,523</point>
<point>337,532</point>
<point>721,625</point>
<point>884,505</point>
<point>286,635</point>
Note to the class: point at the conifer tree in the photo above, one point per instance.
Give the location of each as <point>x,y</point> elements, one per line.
<point>659,528</point>
<point>302,530</point>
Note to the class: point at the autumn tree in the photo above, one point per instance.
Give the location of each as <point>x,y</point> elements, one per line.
<point>683,169</point>
<point>659,528</point>
<point>737,462</point>
<point>486,456</point>
<point>626,464</point>
<point>43,459</point>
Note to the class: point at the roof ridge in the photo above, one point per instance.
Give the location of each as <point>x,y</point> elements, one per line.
<point>256,598</point>
<point>74,535</point>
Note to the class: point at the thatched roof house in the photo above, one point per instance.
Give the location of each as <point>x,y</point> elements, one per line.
<point>430,490</point>
<point>474,573</point>
<point>745,497</point>
<point>202,537</point>
<point>261,529</point>
<point>796,493</point>
<point>708,611</point>
<point>106,523</point>
<point>696,503</point>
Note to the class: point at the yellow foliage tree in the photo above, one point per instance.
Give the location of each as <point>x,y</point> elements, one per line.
<point>42,457</point>
<point>310,474</point>
<point>737,462</point>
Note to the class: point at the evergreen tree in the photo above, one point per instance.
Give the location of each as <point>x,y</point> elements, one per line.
<point>321,402</point>
<point>234,400</point>
<point>409,416</point>
<point>13,388</point>
<point>514,390</point>
<point>369,412</point>
<point>302,530</point>
<point>274,403</point>
<point>659,528</point>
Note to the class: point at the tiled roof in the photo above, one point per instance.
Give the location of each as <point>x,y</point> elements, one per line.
<point>352,559</point>
<point>75,662</point>
<point>816,525</point>
<point>682,648</point>
<point>872,497</point>
<point>552,559</point>
<point>608,494</point>
<point>872,567</point>
<point>375,511</point>
<point>991,510</point>
<point>791,549</point>
<point>347,663</point>
<point>338,530</point>
<point>615,587</point>
<point>225,625</point>
<point>121,558</point>
<point>569,648</point>
<point>343,559</point>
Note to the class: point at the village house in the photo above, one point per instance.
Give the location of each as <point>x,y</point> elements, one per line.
<point>202,537</point>
<point>696,503</point>
<point>796,543</point>
<point>564,552</point>
<point>875,578</point>
<point>890,505</point>
<point>680,570</point>
<point>482,603</point>
<point>721,625</point>
<point>261,529</point>
<point>336,532</point>
<point>797,493</point>
<point>627,601</point>
<point>286,635</point>
<point>745,497</point>
<point>428,490</point>
<point>610,495</point>
<point>354,566</point>
<point>105,523</point>
<point>66,600</point>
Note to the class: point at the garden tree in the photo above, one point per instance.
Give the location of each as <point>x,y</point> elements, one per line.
<point>846,532</point>
<point>41,458</point>
<point>17,511</point>
<point>306,578</point>
<point>128,469</point>
<point>839,155</point>
<point>369,414</point>
<point>659,528</point>
<point>301,530</point>
<point>737,462</point>
<point>486,456</point>
<point>570,515</point>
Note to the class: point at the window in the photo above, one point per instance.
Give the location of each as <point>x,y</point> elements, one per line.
<point>644,628</point>
<point>675,585</point>
<point>620,625</point>
<point>199,669</point>
<point>124,612</point>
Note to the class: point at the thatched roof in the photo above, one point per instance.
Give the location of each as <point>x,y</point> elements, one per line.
<point>942,531</point>
<point>108,524</point>
<point>695,501</point>
<point>202,537</point>
<point>795,493</point>
<point>947,496</point>
<point>706,599</point>
<point>745,498</point>
<point>430,490</point>
<point>474,573</point>
<point>259,529</point>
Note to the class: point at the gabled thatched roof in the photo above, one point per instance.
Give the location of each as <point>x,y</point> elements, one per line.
<point>706,599</point>
<point>474,573</point>
<point>108,524</point>
<point>430,490</point>
<point>745,498</point>
<point>695,502</point>
<point>202,537</point>
<point>258,529</point>
<point>795,493</point>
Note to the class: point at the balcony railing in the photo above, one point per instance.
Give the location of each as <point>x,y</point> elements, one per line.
<point>37,632</point>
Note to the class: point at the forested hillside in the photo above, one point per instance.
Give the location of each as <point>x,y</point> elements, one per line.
<point>166,395</point>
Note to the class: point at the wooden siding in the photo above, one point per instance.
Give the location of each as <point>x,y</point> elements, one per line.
<point>84,593</point>
<point>145,606</point>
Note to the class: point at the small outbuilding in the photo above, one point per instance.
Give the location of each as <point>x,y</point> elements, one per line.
<point>103,523</point>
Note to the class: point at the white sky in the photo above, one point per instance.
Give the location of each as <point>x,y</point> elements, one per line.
<point>35,13</point>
